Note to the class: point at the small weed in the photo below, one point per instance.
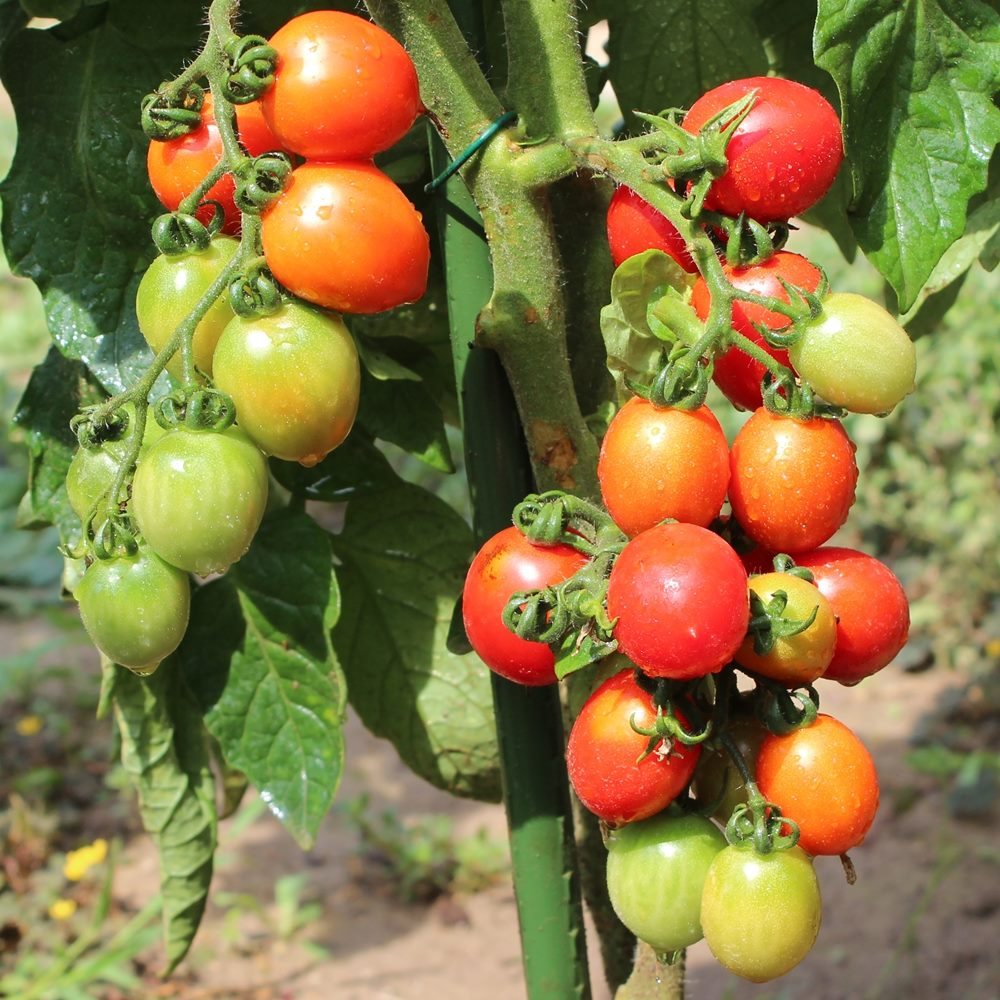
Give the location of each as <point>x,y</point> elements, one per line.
<point>424,859</point>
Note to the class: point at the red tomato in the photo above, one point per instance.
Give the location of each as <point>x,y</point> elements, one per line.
<point>873,614</point>
<point>344,89</point>
<point>345,237</point>
<point>792,482</point>
<point>822,777</point>
<point>661,462</point>
<point>603,750</point>
<point>176,167</point>
<point>679,594</point>
<point>634,226</point>
<point>783,156</point>
<point>506,564</point>
<point>735,373</point>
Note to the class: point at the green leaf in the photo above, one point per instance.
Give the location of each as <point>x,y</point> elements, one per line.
<point>634,347</point>
<point>77,203</point>
<point>404,556</point>
<point>379,365</point>
<point>356,469</point>
<point>164,753</point>
<point>667,53</point>
<point>916,81</point>
<point>407,415</point>
<point>258,657</point>
<point>56,391</point>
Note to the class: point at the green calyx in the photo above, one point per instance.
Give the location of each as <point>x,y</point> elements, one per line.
<point>177,233</point>
<point>168,114</point>
<point>260,180</point>
<point>251,68</point>
<point>255,292</point>
<point>768,623</point>
<point>202,409</point>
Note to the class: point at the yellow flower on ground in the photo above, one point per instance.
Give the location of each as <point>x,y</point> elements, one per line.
<point>62,909</point>
<point>80,861</point>
<point>29,725</point>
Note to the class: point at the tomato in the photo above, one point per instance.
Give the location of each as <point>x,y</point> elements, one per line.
<point>824,778</point>
<point>783,156</point>
<point>169,290</point>
<point>661,462</point>
<point>679,594</point>
<point>634,226</point>
<point>603,751</point>
<point>295,379</point>
<point>92,470</point>
<point>735,373</point>
<point>717,781</point>
<point>656,873</point>
<point>792,481</point>
<point>855,355</point>
<point>795,659</point>
<point>507,564</point>
<point>135,608</point>
<point>199,496</point>
<point>176,167</point>
<point>873,614</point>
<point>344,89</point>
<point>344,237</point>
<point>761,912</point>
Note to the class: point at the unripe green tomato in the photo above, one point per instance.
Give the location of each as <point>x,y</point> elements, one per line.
<point>656,873</point>
<point>760,912</point>
<point>135,608</point>
<point>171,288</point>
<point>718,784</point>
<point>855,355</point>
<point>295,379</point>
<point>92,470</point>
<point>198,497</point>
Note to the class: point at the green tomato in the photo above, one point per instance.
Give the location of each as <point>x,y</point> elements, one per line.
<point>656,872</point>
<point>760,912</point>
<point>718,784</point>
<point>171,288</point>
<point>855,355</point>
<point>92,470</point>
<point>295,379</point>
<point>198,497</point>
<point>135,608</point>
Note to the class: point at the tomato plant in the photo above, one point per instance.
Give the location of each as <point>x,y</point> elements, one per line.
<point>135,608</point>
<point>783,156</point>
<point>761,912</point>
<point>170,289</point>
<point>679,594</point>
<point>798,658</point>
<point>822,777</point>
<point>735,372</point>
<point>855,355</point>
<point>295,379</point>
<point>344,237</point>
<point>634,226</point>
<point>792,481</point>
<point>177,166</point>
<point>507,564</point>
<point>872,611</point>
<point>658,463</point>
<point>517,334</point>
<point>656,873</point>
<point>199,496</point>
<point>609,767</point>
<point>344,89</point>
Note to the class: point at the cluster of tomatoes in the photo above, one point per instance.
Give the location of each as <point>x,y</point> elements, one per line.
<point>337,235</point>
<point>720,622</point>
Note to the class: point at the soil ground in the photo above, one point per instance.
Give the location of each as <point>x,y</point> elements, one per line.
<point>920,923</point>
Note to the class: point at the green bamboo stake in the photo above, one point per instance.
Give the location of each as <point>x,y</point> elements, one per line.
<point>529,721</point>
